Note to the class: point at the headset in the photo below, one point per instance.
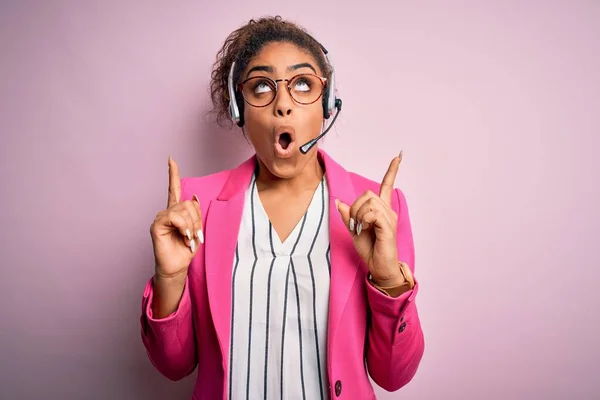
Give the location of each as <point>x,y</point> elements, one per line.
<point>330,102</point>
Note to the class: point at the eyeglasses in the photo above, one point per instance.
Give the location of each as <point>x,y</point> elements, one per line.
<point>260,91</point>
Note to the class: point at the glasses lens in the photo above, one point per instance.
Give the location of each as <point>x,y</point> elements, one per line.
<point>306,89</point>
<point>259,91</point>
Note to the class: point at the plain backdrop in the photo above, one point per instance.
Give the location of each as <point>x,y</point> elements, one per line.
<point>496,105</point>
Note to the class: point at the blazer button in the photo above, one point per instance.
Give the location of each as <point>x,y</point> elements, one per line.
<point>338,388</point>
<point>402,327</point>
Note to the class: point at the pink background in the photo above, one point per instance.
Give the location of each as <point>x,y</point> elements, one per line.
<point>496,105</point>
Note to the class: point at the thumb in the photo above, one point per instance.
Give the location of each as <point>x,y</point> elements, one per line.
<point>344,210</point>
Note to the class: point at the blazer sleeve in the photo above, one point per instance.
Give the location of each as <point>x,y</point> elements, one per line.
<point>395,342</point>
<point>169,341</point>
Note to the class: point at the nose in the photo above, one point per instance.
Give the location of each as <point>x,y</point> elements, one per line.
<point>284,103</point>
<point>282,112</point>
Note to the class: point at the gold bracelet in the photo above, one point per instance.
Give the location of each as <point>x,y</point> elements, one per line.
<point>404,287</point>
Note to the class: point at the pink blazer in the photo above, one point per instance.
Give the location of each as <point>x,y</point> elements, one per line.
<point>363,324</point>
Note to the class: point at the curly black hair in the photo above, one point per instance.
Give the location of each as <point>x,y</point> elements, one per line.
<point>247,41</point>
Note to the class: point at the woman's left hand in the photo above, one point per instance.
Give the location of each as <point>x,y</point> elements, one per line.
<point>372,223</point>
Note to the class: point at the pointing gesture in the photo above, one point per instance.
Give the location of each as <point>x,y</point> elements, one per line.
<point>174,184</point>
<point>176,231</point>
<point>387,184</point>
<point>372,223</point>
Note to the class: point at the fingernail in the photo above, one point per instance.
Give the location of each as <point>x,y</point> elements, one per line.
<point>189,235</point>
<point>400,154</point>
<point>196,198</point>
<point>359,228</point>
<point>200,236</point>
<point>351,224</point>
<point>193,246</point>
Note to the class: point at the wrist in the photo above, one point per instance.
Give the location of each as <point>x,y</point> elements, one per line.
<point>395,290</point>
<point>388,276</point>
<point>389,281</point>
<point>169,283</point>
<point>176,278</point>
<point>168,292</point>
<point>394,284</point>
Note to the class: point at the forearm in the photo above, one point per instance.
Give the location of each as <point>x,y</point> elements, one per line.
<point>167,295</point>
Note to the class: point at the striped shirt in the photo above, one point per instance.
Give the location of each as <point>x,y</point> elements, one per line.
<point>280,302</point>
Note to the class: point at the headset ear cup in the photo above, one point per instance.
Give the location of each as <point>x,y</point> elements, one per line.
<point>326,114</point>
<point>240,103</point>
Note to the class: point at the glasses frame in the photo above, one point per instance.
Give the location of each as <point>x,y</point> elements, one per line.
<point>240,87</point>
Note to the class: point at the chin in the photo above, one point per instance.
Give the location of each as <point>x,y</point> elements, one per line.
<point>283,167</point>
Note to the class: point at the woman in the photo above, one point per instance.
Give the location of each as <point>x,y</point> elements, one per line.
<point>286,277</point>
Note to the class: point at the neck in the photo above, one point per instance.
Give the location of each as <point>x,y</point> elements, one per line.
<point>307,178</point>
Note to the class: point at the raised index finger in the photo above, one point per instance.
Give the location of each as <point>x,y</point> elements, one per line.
<point>387,184</point>
<point>174,183</point>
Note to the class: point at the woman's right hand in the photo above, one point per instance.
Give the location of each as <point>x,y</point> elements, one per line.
<point>177,231</point>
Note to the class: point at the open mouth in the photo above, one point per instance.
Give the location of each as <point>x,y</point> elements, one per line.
<point>285,139</point>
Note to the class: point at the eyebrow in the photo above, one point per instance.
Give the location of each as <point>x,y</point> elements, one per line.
<point>302,65</point>
<point>270,69</point>
<point>260,68</point>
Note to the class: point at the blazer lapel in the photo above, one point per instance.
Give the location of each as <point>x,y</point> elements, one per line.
<point>345,261</point>
<point>222,227</point>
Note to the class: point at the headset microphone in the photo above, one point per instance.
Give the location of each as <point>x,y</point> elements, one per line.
<point>305,148</point>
